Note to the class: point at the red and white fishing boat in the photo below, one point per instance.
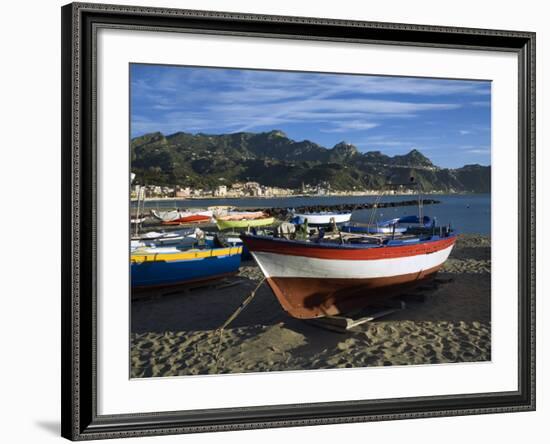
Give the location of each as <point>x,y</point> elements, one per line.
<point>176,217</point>
<point>321,277</point>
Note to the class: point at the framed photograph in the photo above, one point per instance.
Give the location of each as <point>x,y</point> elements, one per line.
<point>278,221</point>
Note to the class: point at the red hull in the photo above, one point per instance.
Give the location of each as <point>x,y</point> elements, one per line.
<point>312,280</point>
<point>307,298</point>
<point>187,220</point>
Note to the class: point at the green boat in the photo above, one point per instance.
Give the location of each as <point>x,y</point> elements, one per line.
<point>244,223</point>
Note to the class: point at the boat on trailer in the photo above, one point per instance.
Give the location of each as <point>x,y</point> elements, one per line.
<point>327,275</point>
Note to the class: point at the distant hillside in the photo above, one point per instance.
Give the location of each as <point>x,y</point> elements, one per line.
<point>272,159</point>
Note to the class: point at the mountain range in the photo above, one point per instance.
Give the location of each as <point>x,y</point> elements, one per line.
<point>273,159</point>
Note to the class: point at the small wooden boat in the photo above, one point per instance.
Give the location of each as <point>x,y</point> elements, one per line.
<point>153,267</point>
<point>395,226</point>
<point>321,219</point>
<point>326,276</point>
<point>243,220</point>
<point>244,223</point>
<point>240,215</point>
<point>176,217</point>
<point>188,220</point>
<point>180,238</point>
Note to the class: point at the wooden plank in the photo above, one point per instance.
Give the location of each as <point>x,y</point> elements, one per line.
<point>342,324</point>
<point>182,289</point>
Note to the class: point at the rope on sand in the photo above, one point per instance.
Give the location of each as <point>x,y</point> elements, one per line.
<point>231,318</point>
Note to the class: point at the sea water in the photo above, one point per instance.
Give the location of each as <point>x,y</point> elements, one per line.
<point>467,213</point>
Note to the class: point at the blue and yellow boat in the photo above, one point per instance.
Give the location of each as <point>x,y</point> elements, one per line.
<point>169,266</point>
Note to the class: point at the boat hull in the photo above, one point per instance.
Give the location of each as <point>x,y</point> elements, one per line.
<point>195,218</point>
<point>244,224</point>
<point>322,219</point>
<point>307,298</point>
<point>312,281</point>
<point>166,270</point>
<point>176,216</point>
<point>234,239</point>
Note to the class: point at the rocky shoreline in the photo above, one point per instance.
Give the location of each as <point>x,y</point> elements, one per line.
<point>284,213</point>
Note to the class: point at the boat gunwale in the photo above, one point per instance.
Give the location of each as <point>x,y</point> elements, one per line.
<point>309,244</point>
<point>188,255</point>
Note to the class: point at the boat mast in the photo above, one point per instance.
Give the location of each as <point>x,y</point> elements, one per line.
<point>412,181</point>
<point>136,232</point>
<point>140,209</point>
<point>377,201</point>
<point>420,204</point>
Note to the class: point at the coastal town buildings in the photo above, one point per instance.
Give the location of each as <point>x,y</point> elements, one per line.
<point>255,189</point>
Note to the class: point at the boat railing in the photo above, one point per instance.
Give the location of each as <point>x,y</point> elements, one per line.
<point>344,237</point>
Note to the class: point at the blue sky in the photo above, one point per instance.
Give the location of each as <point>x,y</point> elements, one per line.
<point>447,120</point>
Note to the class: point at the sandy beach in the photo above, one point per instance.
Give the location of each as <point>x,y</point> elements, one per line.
<point>447,321</point>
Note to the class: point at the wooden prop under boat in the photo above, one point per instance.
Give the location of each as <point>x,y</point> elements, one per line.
<point>315,279</point>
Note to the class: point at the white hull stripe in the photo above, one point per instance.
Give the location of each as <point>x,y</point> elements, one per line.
<point>280,265</point>
<point>321,219</point>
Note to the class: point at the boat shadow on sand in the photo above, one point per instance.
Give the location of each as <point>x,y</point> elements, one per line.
<point>176,334</point>
<point>448,320</point>
<point>208,308</point>
<point>451,297</point>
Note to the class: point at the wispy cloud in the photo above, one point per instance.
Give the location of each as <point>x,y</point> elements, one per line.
<point>486,103</point>
<point>479,151</point>
<point>354,125</point>
<point>242,100</point>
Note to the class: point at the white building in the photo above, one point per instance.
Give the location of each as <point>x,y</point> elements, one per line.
<point>221,191</point>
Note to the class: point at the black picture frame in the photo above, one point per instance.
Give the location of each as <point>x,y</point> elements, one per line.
<point>80,22</point>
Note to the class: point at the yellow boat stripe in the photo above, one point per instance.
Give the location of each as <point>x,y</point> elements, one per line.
<point>139,257</point>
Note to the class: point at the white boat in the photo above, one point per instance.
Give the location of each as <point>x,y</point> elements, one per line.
<point>178,216</point>
<point>322,218</point>
<point>157,239</point>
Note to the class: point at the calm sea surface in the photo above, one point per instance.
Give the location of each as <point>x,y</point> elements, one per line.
<point>468,213</point>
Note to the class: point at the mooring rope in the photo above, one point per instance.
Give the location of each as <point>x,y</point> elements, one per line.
<point>232,318</point>
<point>374,208</point>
